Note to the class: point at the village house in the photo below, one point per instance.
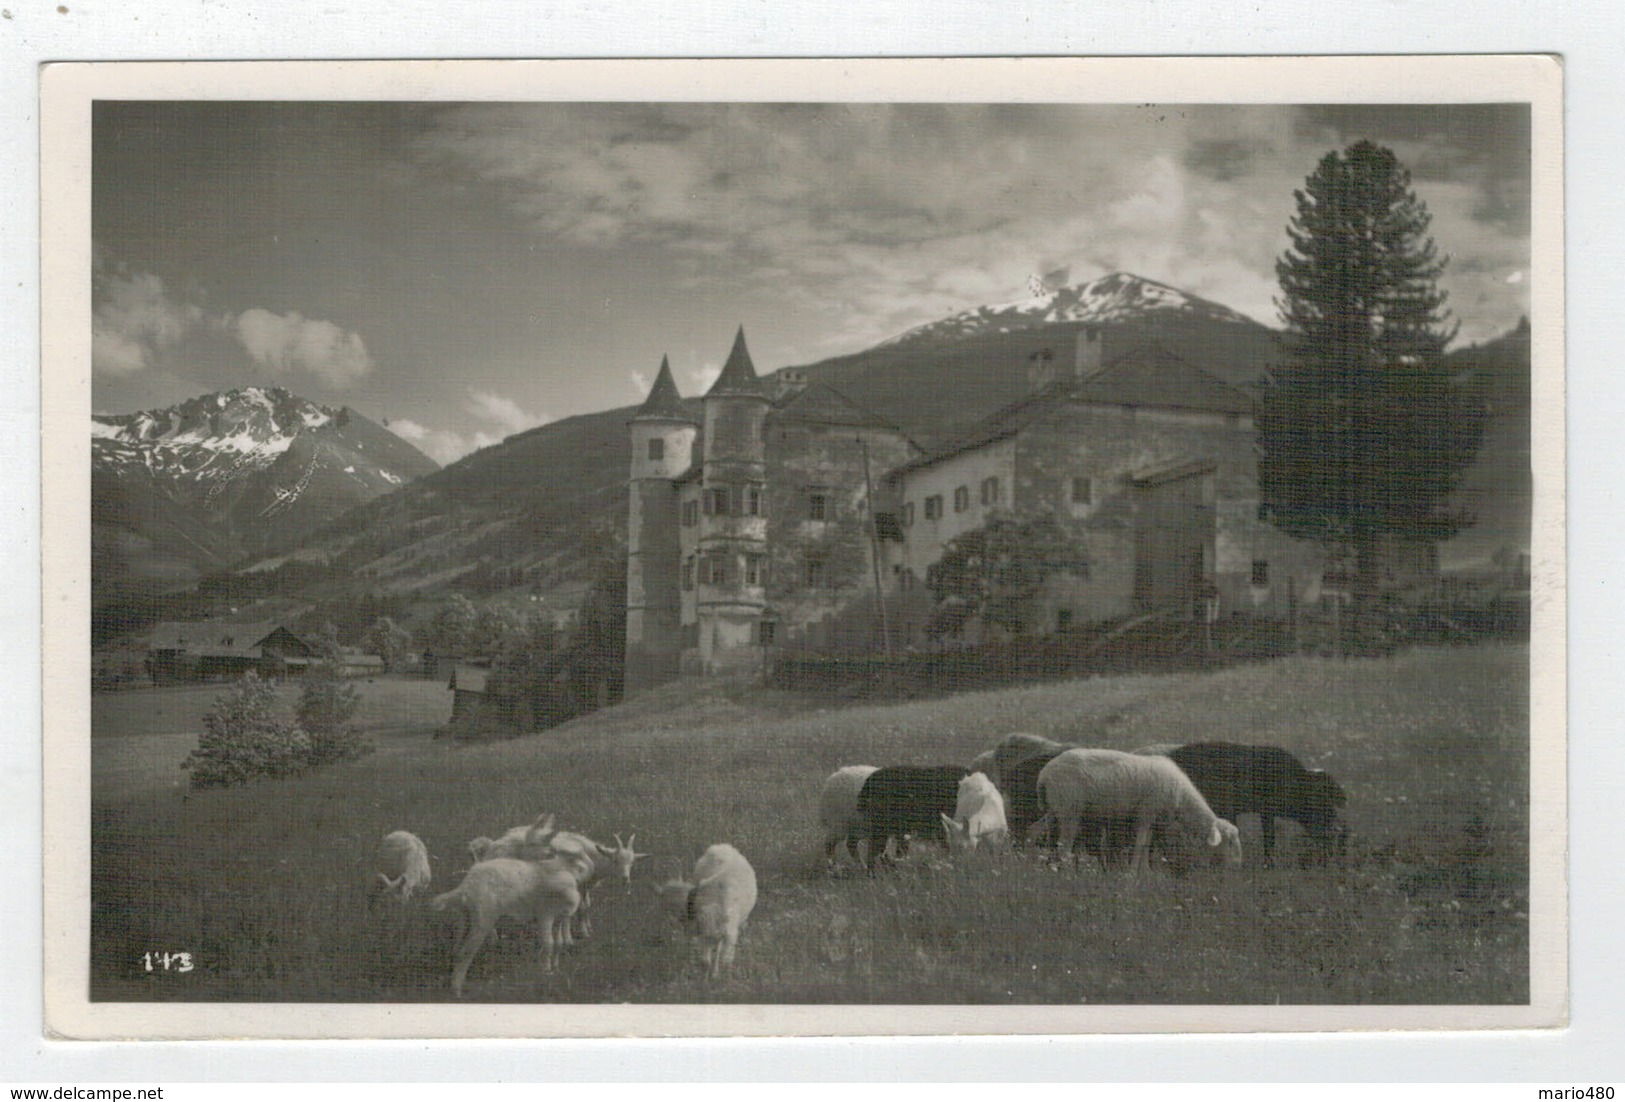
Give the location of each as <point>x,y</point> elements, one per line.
<point>784,515</point>
<point>210,650</point>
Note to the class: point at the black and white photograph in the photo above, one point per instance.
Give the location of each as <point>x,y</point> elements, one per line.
<point>629,548</point>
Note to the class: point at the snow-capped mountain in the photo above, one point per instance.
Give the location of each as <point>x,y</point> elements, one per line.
<point>1117,297</point>
<point>201,483</point>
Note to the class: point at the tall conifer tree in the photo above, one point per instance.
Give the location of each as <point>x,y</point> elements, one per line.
<point>1361,433</point>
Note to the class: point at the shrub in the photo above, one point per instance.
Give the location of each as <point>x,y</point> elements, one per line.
<point>326,705</point>
<point>243,739</point>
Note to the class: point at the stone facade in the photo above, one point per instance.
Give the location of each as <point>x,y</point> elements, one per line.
<point>776,517</point>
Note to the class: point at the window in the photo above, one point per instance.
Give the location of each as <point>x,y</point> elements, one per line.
<point>657,448</point>
<point>961,499</point>
<point>688,573</point>
<point>1083,491</point>
<point>817,505</point>
<point>714,570</point>
<point>1063,619</point>
<point>990,490</point>
<point>1261,572</point>
<point>755,569</point>
<point>908,514</point>
<point>815,573</point>
<point>716,501</point>
<point>933,507</point>
<point>691,513</point>
<point>765,632</point>
<point>753,501</point>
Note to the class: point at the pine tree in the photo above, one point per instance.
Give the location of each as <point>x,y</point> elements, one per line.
<point>1362,434</point>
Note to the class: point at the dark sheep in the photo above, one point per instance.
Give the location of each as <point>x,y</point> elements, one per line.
<point>1269,782</point>
<point>902,800</point>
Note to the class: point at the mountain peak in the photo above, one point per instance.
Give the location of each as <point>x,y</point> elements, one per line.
<point>1113,297</point>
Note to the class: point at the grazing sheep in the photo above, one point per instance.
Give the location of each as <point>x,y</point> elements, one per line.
<point>902,800</point>
<point>978,816</point>
<point>1096,790</point>
<point>1019,784</point>
<point>520,841</point>
<point>508,887</point>
<point>838,810</point>
<point>715,903</point>
<point>1014,749</point>
<point>1239,779</point>
<point>403,864</point>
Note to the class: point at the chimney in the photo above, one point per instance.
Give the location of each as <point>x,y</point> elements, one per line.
<point>1041,369</point>
<point>1087,360</point>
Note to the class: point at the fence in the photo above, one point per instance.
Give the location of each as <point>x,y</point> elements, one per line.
<point>1158,642</point>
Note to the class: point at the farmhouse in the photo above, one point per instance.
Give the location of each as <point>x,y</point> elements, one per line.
<point>787,516</point>
<point>205,650</point>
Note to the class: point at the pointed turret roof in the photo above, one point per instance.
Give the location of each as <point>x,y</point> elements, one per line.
<point>663,403</point>
<point>739,376</point>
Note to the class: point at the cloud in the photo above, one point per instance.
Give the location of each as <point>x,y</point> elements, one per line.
<point>873,218</point>
<point>496,417</point>
<point>702,377</point>
<point>641,383</point>
<point>135,321</point>
<point>291,342</point>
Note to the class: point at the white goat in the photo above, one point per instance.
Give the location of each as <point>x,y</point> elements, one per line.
<point>715,903</point>
<point>978,815</point>
<point>505,886</point>
<point>838,809</point>
<point>403,864</point>
<point>987,764</point>
<point>529,841</point>
<point>1101,790</point>
<point>598,862</point>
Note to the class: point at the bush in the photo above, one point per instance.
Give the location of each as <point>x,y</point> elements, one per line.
<point>243,739</point>
<point>325,708</point>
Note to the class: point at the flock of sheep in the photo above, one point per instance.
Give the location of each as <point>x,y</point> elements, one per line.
<point>1177,801</point>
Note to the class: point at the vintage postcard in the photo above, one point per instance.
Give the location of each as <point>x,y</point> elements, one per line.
<point>658,548</point>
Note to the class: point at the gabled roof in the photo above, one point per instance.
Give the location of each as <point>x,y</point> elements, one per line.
<point>821,404</point>
<point>211,637</point>
<point>998,425</point>
<point>1144,377</point>
<point>1152,376</point>
<point>739,378</point>
<point>664,403</point>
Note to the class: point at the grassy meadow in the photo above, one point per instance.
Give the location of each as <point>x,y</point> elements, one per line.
<point>266,885</point>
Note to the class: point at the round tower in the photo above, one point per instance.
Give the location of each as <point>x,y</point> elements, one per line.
<point>733,507</point>
<point>662,439</point>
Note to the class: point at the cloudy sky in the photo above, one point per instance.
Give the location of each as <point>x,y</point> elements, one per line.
<point>470,271</point>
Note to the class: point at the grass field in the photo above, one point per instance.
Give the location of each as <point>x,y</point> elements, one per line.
<point>141,736</point>
<point>264,885</point>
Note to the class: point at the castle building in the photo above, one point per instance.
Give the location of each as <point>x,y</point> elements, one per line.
<point>785,515</point>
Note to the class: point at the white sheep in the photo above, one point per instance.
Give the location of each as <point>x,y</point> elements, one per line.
<point>1104,790</point>
<point>716,903</point>
<point>838,809</point>
<point>978,817</point>
<point>529,841</point>
<point>403,864</point>
<point>508,887</point>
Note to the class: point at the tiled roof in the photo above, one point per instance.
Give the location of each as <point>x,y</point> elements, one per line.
<point>663,403</point>
<point>739,374</point>
<point>1151,376</point>
<point>210,637</point>
<point>822,404</point>
<point>1144,377</point>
